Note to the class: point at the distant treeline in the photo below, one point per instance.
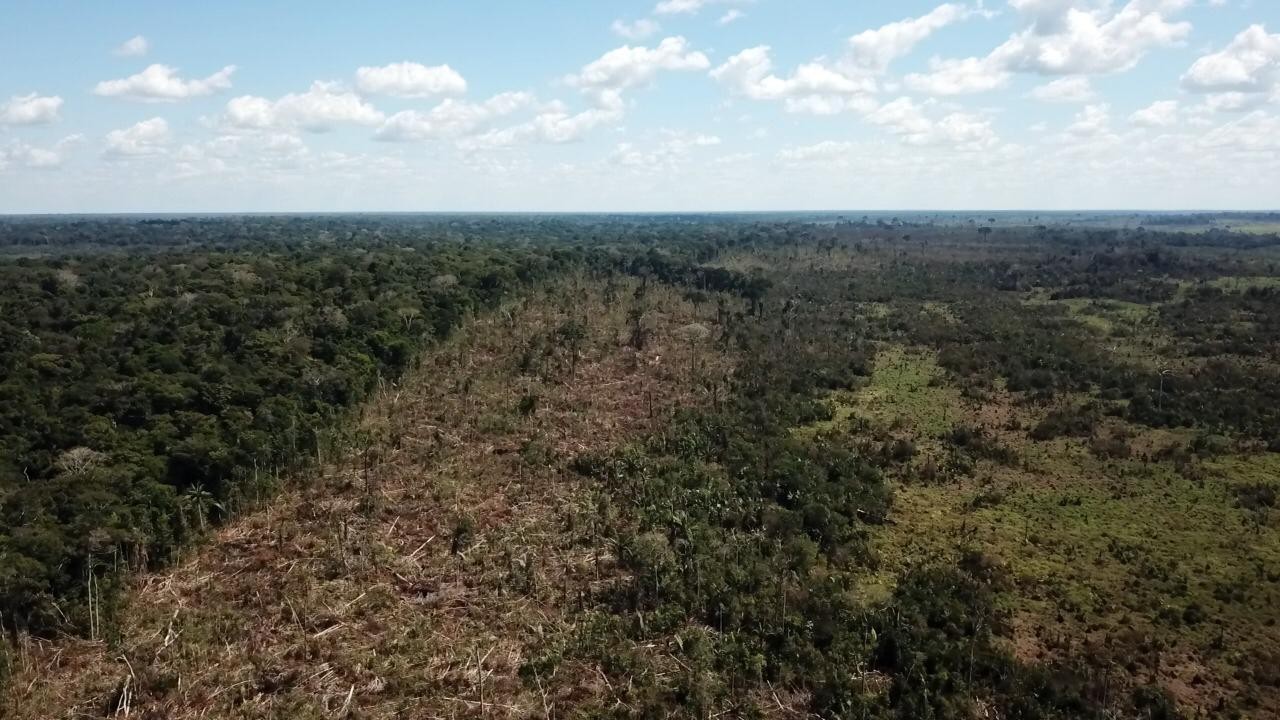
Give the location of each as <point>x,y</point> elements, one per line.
<point>1211,218</point>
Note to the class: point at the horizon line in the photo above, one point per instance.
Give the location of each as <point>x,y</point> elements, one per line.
<point>862,211</point>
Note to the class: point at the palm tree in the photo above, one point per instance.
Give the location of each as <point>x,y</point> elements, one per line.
<point>198,501</point>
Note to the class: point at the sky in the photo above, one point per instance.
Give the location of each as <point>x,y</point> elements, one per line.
<point>638,105</point>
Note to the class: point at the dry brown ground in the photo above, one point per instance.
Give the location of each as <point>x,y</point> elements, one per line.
<point>354,594</point>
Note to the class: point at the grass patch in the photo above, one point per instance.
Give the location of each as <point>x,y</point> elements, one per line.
<point>1158,566</point>
<point>1243,283</point>
<point>907,392</point>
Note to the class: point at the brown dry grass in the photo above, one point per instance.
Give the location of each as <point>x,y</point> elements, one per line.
<point>359,591</point>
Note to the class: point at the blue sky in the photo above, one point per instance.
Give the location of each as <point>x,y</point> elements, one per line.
<point>636,106</point>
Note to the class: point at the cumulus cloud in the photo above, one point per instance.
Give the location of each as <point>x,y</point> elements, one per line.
<point>826,87</point>
<point>1250,63</point>
<point>906,119</point>
<point>812,87</point>
<point>160,83</point>
<point>1256,132</point>
<point>876,49</point>
<point>320,109</point>
<point>559,126</point>
<point>273,154</point>
<point>410,80</point>
<point>1063,37</point>
<point>149,137</point>
<point>1092,120</point>
<point>451,118</point>
<point>603,80</point>
<point>687,7</point>
<point>30,109</point>
<point>963,131</point>
<point>249,112</point>
<point>1073,40</point>
<point>902,116</point>
<point>823,87</point>
<point>638,30</point>
<point>554,124</point>
<point>1064,90</point>
<point>1234,102</point>
<point>1158,114</point>
<point>959,77</point>
<point>667,156</point>
<point>136,46</point>
<point>39,158</point>
<point>627,67</point>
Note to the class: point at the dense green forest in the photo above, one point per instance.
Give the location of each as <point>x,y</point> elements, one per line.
<point>919,468</point>
<point>147,396</point>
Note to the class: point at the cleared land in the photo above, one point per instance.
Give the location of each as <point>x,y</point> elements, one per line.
<point>416,573</point>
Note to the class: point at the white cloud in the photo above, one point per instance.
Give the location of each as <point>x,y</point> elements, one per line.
<point>1063,37</point>
<point>149,137</point>
<point>1232,102</point>
<point>687,7</point>
<point>907,120</point>
<point>731,16</point>
<point>325,106</point>
<point>1256,132</point>
<point>136,46</point>
<point>813,87</point>
<point>20,153</point>
<point>830,104</point>
<point>603,80</point>
<point>1158,114</point>
<point>266,155</point>
<point>250,112</point>
<point>554,125</point>
<point>1064,90</point>
<point>876,49</point>
<point>30,109</point>
<point>559,126</point>
<point>276,159</point>
<point>410,80</point>
<point>160,83</point>
<point>1092,120</point>
<point>1066,39</point>
<point>638,30</point>
<point>320,109</point>
<point>963,131</point>
<point>825,152</point>
<point>628,66</point>
<point>1250,63</point>
<point>821,87</point>
<point>668,156</point>
<point>959,77</point>
<point>901,117</point>
<point>451,118</point>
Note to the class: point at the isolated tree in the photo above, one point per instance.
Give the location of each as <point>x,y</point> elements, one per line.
<point>199,502</point>
<point>408,316</point>
<point>569,336</point>
<point>693,334</point>
<point>639,336</point>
